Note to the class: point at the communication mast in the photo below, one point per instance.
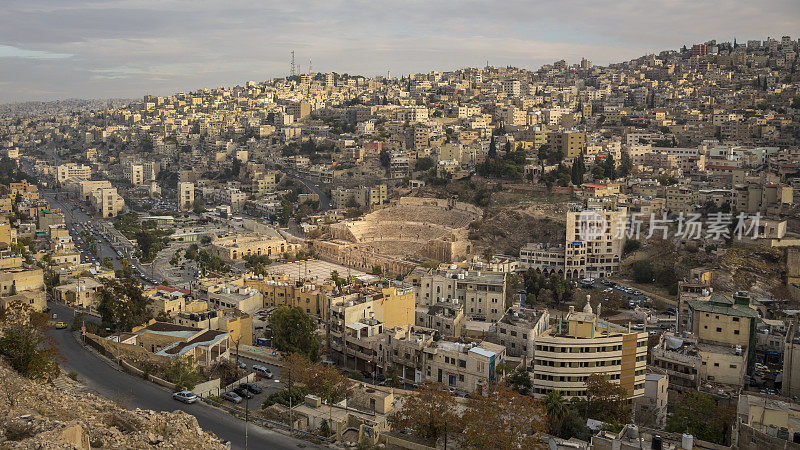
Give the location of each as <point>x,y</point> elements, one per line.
<point>293,70</point>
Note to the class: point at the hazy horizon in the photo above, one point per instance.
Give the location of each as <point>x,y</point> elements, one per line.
<point>98,49</point>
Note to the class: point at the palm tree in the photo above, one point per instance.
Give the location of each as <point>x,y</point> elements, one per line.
<point>555,405</point>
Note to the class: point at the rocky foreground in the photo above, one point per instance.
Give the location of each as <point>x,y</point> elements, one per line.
<point>42,415</point>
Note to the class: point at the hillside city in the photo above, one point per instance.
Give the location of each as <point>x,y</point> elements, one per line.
<point>577,256</point>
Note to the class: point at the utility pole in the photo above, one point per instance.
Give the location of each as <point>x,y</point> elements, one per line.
<point>246,416</point>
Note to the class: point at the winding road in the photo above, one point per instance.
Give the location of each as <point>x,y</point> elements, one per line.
<point>133,392</point>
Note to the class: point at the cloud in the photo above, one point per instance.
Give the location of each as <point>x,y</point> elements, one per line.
<point>128,48</point>
<point>7,51</point>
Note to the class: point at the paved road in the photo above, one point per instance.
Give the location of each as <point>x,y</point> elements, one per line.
<point>134,392</point>
<point>74,216</point>
<point>324,201</point>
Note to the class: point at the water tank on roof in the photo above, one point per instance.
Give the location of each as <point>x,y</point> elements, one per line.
<point>687,441</point>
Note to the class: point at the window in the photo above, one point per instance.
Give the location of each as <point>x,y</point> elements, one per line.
<point>719,330</point>
<point>735,331</point>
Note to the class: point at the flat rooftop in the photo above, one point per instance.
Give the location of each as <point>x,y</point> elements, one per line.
<point>313,270</point>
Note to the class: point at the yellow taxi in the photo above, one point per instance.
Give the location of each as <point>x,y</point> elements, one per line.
<point>60,325</point>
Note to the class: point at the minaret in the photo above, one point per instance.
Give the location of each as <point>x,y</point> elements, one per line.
<point>588,308</point>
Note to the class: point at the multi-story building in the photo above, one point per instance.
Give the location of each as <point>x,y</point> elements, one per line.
<point>238,247</point>
<point>483,294</point>
<point>357,324</point>
<point>107,202</point>
<point>463,367</point>
<point>594,242</point>
<point>517,331</point>
<point>185,196</point>
<point>280,291</point>
<point>543,257</point>
<point>363,197</point>
<point>570,143</point>
<point>446,318</point>
<point>238,324</point>
<point>582,345</point>
<point>651,408</point>
<point>134,173</point>
<point>72,171</point>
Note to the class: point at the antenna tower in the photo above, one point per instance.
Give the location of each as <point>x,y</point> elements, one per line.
<point>293,71</point>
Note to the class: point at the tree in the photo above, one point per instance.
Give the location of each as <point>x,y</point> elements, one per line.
<point>610,167</point>
<point>423,164</point>
<point>642,271</point>
<point>502,419</point>
<point>607,401</point>
<point>122,305</point>
<point>626,165</point>
<point>182,373</point>
<point>294,331</point>
<point>24,345</point>
<point>578,169</point>
<point>107,263</point>
<point>198,207</point>
<point>630,246</point>
<point>701,416</point>
<point>519,380</point>
<point>385,158</point>
<point>427,411</point>
<point>492,153</point>
<point>556,407</point>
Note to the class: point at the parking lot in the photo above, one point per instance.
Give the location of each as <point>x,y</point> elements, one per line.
<point>268,386</point>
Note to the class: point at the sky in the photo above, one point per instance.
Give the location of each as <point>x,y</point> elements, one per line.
<point>58,49</point>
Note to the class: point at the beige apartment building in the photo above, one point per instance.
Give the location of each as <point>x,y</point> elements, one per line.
<point>134,173</point>
<point>185,196</point>
<point>680,199</point>
<point>280,291</point>
<point>238,324</point>
<point>357,323</point>
<point>581,345</point>
<point>481,293</point>
<point>446,318</point>
<point>363,197</point>
<point>233,248</point>
<point>463,367</point>
<point>571,143</point>
<point>107,202</point>
<point>72,171</point>
<point>594,242</point>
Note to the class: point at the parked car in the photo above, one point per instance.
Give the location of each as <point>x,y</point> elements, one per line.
<point>252,388</point>
<point>231,397</point>
<point>185,396</point>
<point>242,365</point>
<point>60,325</point>
<point>262,371</point>
<point>243,392</point>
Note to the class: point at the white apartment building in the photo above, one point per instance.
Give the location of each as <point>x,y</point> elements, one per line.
<point>582,345</point>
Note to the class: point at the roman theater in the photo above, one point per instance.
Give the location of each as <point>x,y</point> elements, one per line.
<point>398,236</point>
